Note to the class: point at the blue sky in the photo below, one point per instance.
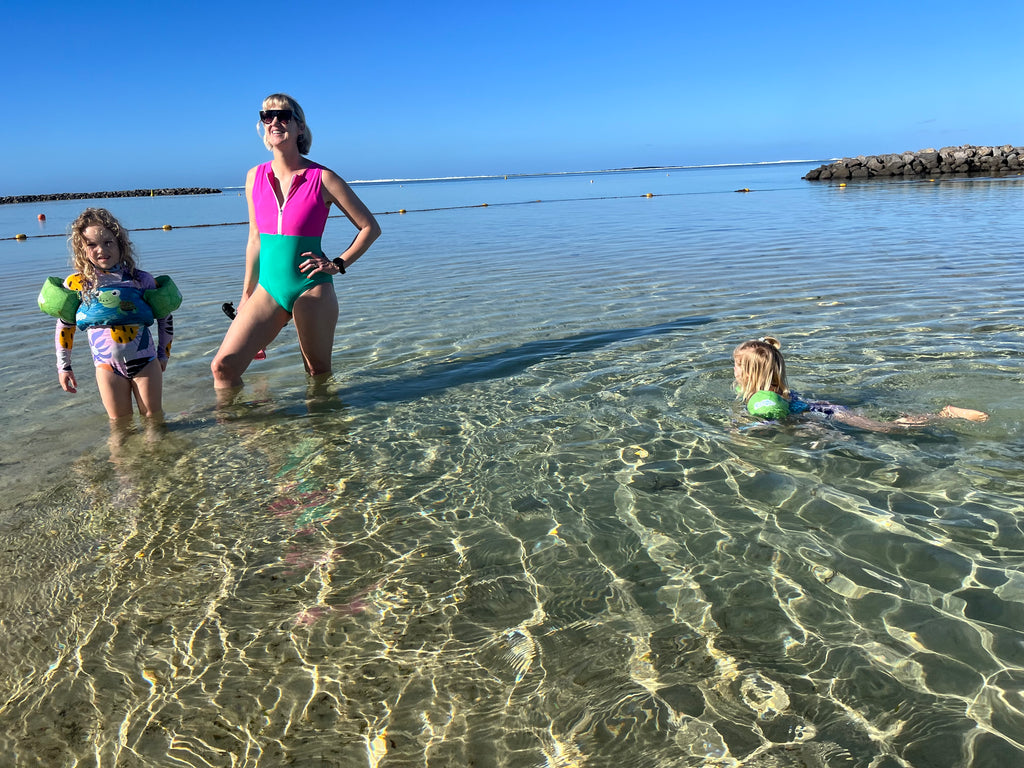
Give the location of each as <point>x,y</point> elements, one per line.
<point>118,95</point>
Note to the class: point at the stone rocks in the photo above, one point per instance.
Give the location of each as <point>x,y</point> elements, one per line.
<point>925,162</point>
<point>123,193</point>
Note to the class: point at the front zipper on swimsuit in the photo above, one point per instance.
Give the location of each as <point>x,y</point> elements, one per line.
<point>280,208</point>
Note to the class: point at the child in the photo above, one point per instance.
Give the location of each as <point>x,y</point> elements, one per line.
<point>760,373</point>
<point>118,305</point>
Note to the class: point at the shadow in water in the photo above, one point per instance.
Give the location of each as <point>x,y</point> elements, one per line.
<point>436,377</point>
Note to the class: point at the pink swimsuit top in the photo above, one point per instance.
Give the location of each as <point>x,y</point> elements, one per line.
<point>303,212</point>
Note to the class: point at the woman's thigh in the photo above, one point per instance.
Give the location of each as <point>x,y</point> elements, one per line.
<point>316,317</point>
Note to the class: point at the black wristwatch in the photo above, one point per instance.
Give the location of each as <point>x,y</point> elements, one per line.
<point>340,264</point>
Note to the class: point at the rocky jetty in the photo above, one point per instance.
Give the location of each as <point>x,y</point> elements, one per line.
<point>121,193</point>
<point>925,162</point>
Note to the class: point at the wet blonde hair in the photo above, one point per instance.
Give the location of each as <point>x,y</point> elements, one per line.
<point>284,101</point>
<point>98,217</point>
<point>761,367</point>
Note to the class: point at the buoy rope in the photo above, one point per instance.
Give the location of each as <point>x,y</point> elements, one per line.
<point>168,227</point>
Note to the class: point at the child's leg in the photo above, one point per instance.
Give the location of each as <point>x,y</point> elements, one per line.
<point>115,392</point>
<point>148,387</point>
<point>952,412</point>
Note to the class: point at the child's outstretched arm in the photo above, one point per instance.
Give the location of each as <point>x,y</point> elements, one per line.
<point>64,339</point>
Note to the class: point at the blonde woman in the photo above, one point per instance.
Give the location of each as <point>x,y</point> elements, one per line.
<point>288,276</point>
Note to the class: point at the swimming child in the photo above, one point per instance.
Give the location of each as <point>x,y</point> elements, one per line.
<point>119,303</point>
<point>760,373</point>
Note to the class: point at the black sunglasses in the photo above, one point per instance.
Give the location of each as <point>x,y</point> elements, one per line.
<point>268,115</point>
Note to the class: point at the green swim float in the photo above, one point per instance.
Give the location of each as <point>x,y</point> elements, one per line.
<point>163,299</point>
<point>58,301</point>
<point>767,405</point>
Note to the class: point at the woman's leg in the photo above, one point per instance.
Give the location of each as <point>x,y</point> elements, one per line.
<point>258,322</point>
<point>316,316</point>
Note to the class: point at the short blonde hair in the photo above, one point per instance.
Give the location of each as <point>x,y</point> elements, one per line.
<point>98,217</point>
<point>761,367</point>
<point>284,101</point>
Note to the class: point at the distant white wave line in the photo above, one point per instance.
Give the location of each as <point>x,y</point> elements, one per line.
<point>570,173</point>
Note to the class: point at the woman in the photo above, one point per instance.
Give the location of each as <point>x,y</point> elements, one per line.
<point>287,274</point>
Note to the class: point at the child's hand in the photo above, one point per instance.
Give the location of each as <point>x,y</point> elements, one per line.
<point>67,381</point>
<point>163,364</point>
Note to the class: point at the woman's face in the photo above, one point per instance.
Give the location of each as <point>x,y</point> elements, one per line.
<point>281,130</point>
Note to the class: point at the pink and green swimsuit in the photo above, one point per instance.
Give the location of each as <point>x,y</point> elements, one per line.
<point>287,231</point>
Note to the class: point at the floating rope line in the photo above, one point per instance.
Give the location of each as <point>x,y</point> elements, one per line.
<point>400,211</point>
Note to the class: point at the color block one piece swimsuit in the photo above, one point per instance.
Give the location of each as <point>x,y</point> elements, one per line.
<point>287,231</point>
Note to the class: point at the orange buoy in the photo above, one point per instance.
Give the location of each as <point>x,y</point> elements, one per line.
<point>41,217</point>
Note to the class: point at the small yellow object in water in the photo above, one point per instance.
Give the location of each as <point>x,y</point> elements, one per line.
<point>843,184</point>
<point>649,195</point>
<point>20,236</point>
<point>167,226</point>
<point>401,210</point>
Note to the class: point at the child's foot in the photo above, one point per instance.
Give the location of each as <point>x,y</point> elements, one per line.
<point>952,412</point>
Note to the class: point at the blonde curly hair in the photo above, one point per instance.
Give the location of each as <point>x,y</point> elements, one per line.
<point>98,217</point>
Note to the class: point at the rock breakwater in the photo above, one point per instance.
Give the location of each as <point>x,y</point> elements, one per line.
<point>121,193</point>
<point>925,162</point>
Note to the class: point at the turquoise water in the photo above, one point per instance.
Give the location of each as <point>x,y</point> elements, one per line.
<point>525,524</point>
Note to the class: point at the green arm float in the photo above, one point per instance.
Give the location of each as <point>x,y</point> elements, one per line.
<point>163,299</point>
<point>54,299</point>
<point>767,405</point>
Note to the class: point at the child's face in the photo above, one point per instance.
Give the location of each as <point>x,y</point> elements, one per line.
<point>101,247</point>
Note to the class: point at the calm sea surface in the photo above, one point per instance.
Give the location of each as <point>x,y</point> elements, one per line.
<point>526,524</point>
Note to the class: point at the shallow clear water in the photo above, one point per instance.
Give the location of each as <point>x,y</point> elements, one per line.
<point>526,524</point>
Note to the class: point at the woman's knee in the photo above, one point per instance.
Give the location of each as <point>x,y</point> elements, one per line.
<point>225,367</point>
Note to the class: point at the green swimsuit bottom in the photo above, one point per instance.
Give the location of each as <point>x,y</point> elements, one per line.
<point>280,256</point>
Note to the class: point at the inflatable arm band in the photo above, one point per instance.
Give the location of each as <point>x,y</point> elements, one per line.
<point>54,299</point>
<point>767,405</point>
<point>163,299</point>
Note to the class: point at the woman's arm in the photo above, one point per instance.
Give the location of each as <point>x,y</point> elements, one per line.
<point>252,245</point>
<point>338,192</point>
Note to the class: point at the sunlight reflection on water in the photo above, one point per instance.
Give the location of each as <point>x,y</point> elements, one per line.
<point>526,525</point>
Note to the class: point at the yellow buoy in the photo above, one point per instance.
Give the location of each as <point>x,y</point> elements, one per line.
<point>484,205</point>
<point>167,226</point>
<point>401,210</point>
<point>843,184</point>
<point>20,236</point>
<point>649,195</point>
